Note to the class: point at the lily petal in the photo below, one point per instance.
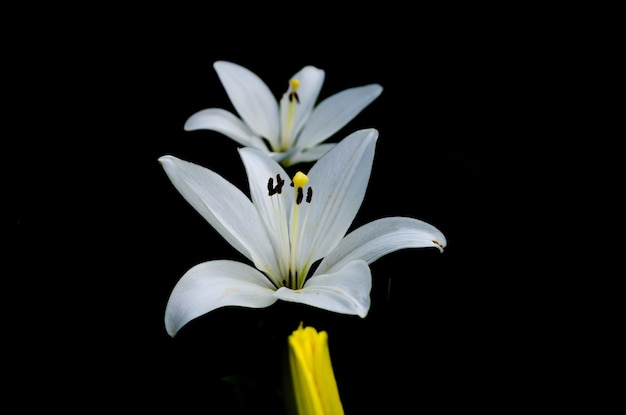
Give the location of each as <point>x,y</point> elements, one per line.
<point>252,99</point>
<point>381,237</point>
<point>281,157</point>
<point>309,154</point>
<point>339,180</point>
<point>311,80</point>
<point>273,209</point>
<point>345,291</point>
<point>212,285</point>
<point>226,123</point>
<point>225,207</point>
<point>333,113</point>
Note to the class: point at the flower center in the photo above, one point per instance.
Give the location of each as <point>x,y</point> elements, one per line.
<point>295,264</point>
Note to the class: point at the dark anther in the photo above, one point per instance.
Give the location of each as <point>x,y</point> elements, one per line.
<point>279,184</point>
<point>309,194</point>
<point>300,196</point>
<point>270,187</point>
<point>292,96</point>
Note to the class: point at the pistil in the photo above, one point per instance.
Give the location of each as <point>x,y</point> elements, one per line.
<point>299,181</point>
<point>286,136</point>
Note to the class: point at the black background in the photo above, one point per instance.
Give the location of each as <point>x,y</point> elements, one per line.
<point>99,236</point>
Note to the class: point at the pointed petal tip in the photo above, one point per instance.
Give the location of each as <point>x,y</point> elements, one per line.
<point>372,133</point>
<point>170,327</point>
<point>165,159</point>
<point>195,121</point>
<point>440,244</point>
<point>187,126</point>
<point>219,63</point>
<point>222,64</point>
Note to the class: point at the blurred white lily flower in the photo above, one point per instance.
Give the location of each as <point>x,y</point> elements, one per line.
<point>292,130</point>
<point>294,236</point>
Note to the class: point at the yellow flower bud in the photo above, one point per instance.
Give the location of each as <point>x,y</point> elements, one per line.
<point>313,385</point>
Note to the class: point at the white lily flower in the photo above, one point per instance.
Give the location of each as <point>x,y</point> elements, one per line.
<point>290,131</point>
<point>294,235</point>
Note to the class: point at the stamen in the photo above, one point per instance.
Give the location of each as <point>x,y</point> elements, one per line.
<point>279,184</point>
<point>299,196</point>
<point>271,189</point>
<point>309,194</point>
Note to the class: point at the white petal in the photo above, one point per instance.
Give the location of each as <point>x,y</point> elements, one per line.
<point>311,81</point>
<point>309,154</point>
<point>280,157</point>
<point>345,291</point>
<point>380,237</point>
<point>335,112</point>
<point>225,207</point>
<point>252,99</point>
<point>227,123</point>
<point>212,285</point>
<point>339,180</point>
<point>273,209</point>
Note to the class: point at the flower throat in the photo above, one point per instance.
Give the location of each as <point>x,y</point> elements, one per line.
<point>295,272</point>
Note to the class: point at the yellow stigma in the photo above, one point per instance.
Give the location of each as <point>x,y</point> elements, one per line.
<point>294,84</point>
<point>300,179</point>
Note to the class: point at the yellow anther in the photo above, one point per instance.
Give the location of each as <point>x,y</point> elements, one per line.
<point>294,84</point>
<point>300,179</point>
